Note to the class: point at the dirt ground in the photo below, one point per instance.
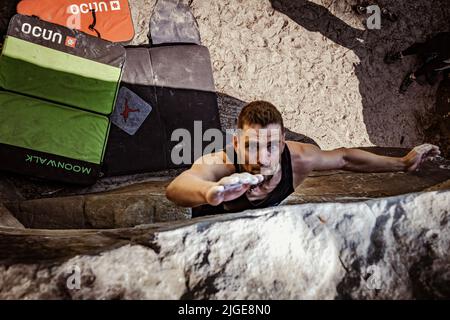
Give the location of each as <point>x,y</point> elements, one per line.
<point>319,64</point>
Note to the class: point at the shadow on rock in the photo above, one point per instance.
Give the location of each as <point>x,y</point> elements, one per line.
<point>387,114</point>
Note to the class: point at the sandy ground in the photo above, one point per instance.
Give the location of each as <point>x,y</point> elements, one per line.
<point>316,61</point>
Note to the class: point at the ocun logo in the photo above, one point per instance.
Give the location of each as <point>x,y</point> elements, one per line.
<point>43,33</point>
<point>96,6</point>
<point>71,42</point>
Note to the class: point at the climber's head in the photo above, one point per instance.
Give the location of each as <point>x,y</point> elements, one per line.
<point>260,140</point>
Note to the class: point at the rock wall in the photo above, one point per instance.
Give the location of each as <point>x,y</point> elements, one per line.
<point>127,201</point>
<point>7,219</point>
<point>319,64</point>
<point>391,248</point>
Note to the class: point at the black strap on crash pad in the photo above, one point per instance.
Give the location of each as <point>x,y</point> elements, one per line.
<point>94,22</point>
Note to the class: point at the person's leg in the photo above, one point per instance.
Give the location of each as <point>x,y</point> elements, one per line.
<point>430,70</point>
<point>433,66</point>
<point>439,44</point>
<point>435,47</point>
<point>435,52</point>
<point>416,48</point>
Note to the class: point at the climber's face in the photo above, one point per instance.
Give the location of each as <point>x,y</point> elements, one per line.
<point>259,149</point>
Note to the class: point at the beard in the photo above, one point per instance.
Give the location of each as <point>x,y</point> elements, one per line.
<point>266,172</point>
<point>269,171</point>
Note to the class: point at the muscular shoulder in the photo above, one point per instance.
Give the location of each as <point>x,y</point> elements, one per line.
<point>302,154</point>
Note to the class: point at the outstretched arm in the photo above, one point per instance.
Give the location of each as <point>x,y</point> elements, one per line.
<point>210,180</point>
<point>190,188</point>
<point>363,161</point>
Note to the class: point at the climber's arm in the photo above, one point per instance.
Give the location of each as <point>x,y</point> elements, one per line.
<point>190,188</point>
<point>211,180</point>
<point>363,161</point>
<point>357,160</point>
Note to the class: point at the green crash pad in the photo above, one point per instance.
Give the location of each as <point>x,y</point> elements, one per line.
<point>52,141</point>
<point>66,66</point>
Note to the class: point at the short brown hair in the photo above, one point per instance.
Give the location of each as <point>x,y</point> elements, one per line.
<point>260,112</point>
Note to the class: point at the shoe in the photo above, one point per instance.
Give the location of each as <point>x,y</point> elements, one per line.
<point>392,57</point>
<point>389,15</point>
<point>406,83</point>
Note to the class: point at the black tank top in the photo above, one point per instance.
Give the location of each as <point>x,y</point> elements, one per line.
<point>281,192</point>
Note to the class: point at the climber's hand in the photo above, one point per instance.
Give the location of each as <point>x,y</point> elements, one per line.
<point>414,159</point>
<point>232,187</point>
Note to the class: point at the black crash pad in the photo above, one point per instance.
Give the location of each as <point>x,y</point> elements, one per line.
<point>177,84</point>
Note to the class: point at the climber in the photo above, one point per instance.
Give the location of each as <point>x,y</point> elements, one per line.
<point>227,181</point>
<point>435,54</point>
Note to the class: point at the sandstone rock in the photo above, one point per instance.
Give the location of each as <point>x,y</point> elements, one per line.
<point>437,128</point>
<point>382,117</point>
<point>8,191</point>
<point>125,207</point>
<point>229,109</point>
<point>7,220</point>
<point>47,213</point>
<point>129,210</point>
<point>390,248</point>
<point>347,186</point>
<point>127,201</point>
